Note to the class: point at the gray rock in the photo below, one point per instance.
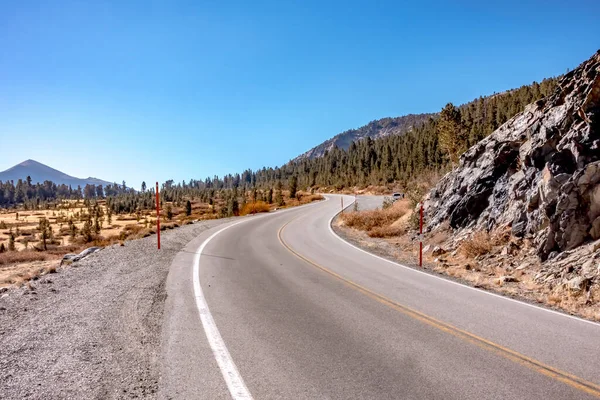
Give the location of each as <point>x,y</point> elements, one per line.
<point>577,284</point>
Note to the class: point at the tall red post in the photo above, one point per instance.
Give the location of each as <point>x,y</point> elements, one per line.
<point>421,236</point>
<point>157,216</point>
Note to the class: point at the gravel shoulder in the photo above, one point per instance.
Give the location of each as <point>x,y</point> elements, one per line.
<point>92,330</point>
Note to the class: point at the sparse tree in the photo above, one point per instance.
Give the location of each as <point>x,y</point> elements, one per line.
<point>169,212</point>
<point>188,208</point>
<point>270,196</point>
<point>144,187</point>
<point>2,248</point>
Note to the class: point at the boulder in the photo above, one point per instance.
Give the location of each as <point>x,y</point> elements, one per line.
<point>71,258</point>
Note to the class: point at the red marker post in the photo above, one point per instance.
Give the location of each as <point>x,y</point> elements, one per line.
<point>157,216</point>
<point>421,236</point>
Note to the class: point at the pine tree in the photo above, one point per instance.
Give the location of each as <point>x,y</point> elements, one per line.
<point>86,231</point>
<point>232,207</point>
<point>188,208</point>
<point>293,186</point>
<point>451,133</point>
<point>270,196</point>
<point>43,227</point>
<point>11,242</point>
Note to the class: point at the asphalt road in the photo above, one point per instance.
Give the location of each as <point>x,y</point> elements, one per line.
<point>278,306</point>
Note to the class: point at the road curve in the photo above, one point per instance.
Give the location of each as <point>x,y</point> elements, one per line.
<point>304,315</point>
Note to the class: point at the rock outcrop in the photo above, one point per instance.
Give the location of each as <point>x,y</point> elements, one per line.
<point>71,258</point>
<point>539,173</point>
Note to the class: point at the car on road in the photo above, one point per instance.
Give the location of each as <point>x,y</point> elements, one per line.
<point>397,196</point>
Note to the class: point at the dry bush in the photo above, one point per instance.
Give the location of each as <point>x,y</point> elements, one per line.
<point>310,198</point>
<point>254,208</point>
<point>14,257</point>
<point>369,220</point>
<point>480,243</point>
<point>169,225</point>
<point>132,229</point>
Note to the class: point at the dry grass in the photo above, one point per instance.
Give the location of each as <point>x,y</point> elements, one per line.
<point>255,208</point>
<point>378,223</point>
<point>386,231</point>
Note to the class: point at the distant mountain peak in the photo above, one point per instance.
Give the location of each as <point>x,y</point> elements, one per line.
<point>41,172</point>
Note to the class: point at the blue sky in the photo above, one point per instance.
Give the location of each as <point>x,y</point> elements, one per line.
<point>150,90</point>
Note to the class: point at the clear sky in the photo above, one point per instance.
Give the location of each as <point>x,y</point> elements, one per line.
<point>154,90</point>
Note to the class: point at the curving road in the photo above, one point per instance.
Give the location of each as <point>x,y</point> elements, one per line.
<point>277,306</point>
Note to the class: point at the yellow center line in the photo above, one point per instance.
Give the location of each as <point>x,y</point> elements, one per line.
<point>569,379</point>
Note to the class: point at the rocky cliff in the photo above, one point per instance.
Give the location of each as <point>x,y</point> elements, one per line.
<point>538,174</point>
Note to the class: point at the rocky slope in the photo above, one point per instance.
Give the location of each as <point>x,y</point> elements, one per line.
<point>374,129</point>
<point>539,175</point>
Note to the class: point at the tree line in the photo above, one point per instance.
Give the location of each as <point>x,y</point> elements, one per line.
<point>431,146</point>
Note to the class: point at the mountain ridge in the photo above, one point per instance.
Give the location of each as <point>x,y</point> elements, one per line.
<point>375,129</point>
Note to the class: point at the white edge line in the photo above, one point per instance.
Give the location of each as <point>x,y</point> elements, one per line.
<point>451,281</point>
<point>233,379</point>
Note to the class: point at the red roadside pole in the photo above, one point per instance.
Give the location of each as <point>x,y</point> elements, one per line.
<point>157,216</point>
<point>421,236</point>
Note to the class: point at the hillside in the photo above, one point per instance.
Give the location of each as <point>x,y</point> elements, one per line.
<point>39,173</point>
<point>527,197</point>
<point>374,129</point>
<point>537,173</point>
